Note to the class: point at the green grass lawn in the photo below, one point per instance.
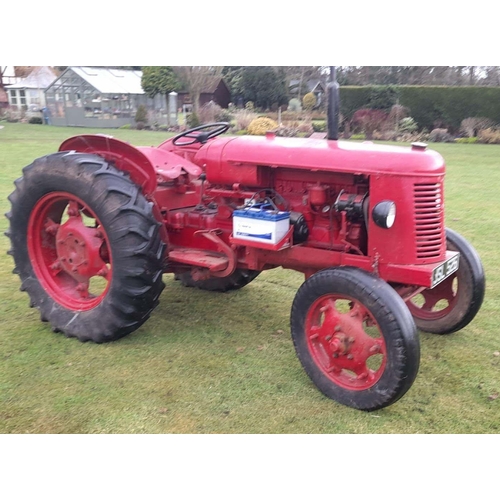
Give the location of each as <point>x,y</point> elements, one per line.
<point>225,363</point>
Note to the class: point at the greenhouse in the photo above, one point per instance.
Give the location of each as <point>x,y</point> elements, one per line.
<point>102,97</point>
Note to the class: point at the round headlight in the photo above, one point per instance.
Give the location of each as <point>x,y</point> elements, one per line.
<point>384,214</point>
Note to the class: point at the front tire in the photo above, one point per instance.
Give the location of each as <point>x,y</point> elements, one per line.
<point>355,338</point>
<point>86,246</point>
<point>454,303</point>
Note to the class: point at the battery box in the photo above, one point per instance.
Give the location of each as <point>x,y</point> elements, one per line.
<point>261,223</point>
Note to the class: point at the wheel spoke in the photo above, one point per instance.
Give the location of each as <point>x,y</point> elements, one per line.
<point>74,209</point>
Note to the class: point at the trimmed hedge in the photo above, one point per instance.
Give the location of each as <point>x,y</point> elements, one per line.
<point>432,107</point>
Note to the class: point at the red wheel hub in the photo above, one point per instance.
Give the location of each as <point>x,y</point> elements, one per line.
<point>435,303</point>
<point>345,341</point>
<point>68,249</point>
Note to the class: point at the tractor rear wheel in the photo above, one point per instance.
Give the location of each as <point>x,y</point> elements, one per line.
<point>237,280</point>
<point>454,303</point>
<point>86,246</point>
<point>355,338</point>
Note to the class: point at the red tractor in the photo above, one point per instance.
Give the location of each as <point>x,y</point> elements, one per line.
<point>94,227</point>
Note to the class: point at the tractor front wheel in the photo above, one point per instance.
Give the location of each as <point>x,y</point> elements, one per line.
<point>86,246</point>
<point>355,338</point>
<point>454,303</point>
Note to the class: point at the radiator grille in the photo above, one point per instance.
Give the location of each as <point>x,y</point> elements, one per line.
<point>429,225</point>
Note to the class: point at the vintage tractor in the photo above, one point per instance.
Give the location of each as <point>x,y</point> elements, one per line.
<point>94,226</point>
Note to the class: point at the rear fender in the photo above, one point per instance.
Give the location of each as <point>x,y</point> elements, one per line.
<point>123,156</point>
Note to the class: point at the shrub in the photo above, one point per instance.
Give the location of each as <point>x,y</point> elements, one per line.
<point>242,119</point>
<point>261,125</point>
<point>309,101</point>
<point>127,126</point>
<point>413,136</point>
<point>141,115</point>
<point>397,113</point>
<point>36,120</point>
<point>224,115</point>
<point>286,131</point>
<point>440,135</point>
<point>209,112</point>
<point>192,120</point>
<point>358,137</point>
<point>470,127</point>
<point>408,124</point>
<point>489,136</point>
<point>249,106</point>
<point>387,135</point>
<point>369,120</point>
<point>295,129</point>
<point>294,105</point>
<point>319,125</point>
<point>140,125</point>
<point>467,140</point>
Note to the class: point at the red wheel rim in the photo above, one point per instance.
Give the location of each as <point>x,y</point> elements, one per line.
<point>345,342</point>
<point>68,249</point>
<point>435,303</point>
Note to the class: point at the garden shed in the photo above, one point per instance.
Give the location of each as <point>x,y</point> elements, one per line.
<point>314,86</point>
<point>100,97</point>
<point>214,89</point>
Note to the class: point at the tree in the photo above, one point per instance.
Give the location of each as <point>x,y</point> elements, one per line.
<point>264,86</point>
<point>159,80</point>
<point>194,78</point>
<point>233,76</point>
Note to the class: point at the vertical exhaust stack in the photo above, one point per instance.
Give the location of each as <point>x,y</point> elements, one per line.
<point>333,105</point>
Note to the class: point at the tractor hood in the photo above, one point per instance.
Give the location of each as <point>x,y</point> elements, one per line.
<point>367,158</point>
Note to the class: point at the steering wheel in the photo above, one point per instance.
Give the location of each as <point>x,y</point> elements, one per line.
<point>197,135</point>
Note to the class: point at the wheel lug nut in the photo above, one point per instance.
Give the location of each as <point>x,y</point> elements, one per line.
<point>350,356</point>
<point>337,328</point>
<point>328,338</point>
<point>351,340</point>
<point>375,348</point>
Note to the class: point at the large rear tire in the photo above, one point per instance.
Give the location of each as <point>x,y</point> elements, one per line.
<point>86,246</point>
<point>454,303</point>
<point>355,338</point>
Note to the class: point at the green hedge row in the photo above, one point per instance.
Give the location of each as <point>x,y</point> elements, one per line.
<point>432,106</point>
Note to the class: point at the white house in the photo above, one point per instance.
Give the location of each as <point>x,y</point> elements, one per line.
<point>29,93</point>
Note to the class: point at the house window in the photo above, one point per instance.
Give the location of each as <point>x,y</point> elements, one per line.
<point>13,97</point>
<point>34,97</point>
<point>22,93</point>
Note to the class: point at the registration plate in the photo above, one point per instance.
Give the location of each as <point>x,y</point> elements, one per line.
<point>441,272</point>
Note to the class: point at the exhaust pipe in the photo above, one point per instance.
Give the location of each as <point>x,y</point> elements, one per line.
<point>333,105</point>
